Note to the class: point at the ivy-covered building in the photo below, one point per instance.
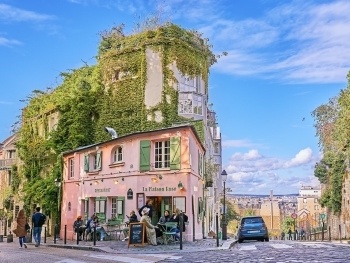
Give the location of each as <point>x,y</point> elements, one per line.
<point>142,82</point>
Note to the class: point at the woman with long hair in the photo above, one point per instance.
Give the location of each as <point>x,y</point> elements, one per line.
<point>21,231</point>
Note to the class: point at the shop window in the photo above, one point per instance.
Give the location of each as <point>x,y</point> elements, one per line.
<point>118,154</point>
<point>71,167</point>
<point>162,154</point>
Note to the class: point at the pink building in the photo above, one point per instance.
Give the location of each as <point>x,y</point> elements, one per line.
<point>114,177</point>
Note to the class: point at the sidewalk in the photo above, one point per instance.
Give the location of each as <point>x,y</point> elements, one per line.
<point>121,247</point>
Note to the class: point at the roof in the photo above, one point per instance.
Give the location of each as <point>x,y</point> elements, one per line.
<point>138,133</point>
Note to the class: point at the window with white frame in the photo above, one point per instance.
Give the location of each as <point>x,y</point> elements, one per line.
<point>216,147</point>
<point>118,154</point>
<point>162,154</point>
<point>197,105</point>
<point>100,206</point>
<point>71,167</point>
<point>114,208</point>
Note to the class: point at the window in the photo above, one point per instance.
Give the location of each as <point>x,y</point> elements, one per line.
<point>94,162</point>
<point>162,154</point>
<point>11,154</point>
<point>100,206</point>
<point>316,207</point>
<point>69,206</point>
<point>305,200</point>
<point>118,154</point>
<point>316,200</point>
<point>9,177</point>
<point>114,208</point>
<point>216,147</point>
<point>197,105</point>
<point>180,202</point>
<point>71,167</point>
<point>16,210</point>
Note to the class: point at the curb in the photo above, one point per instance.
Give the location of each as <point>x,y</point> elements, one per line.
<point>224,246</point>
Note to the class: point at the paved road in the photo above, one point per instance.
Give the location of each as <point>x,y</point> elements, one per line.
<point>273,252</point>
<point>247,252</point>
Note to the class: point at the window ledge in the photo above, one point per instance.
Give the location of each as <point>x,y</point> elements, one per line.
<point>117,164</point>
<point>160,169</point>
<point>93,173</point>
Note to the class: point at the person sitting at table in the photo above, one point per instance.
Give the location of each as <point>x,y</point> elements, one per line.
<point>132,219</point>
<point>151,230</point>
<point>165,218</point>
<point>88,226</point>
<point>99,228</point>
<point>78,226</point>
<point>176,218</point>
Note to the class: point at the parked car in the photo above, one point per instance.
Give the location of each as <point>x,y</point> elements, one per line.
<point>252,228</point>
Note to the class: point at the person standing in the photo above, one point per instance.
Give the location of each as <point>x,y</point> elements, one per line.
<point>38,220</point>
<point>289,234</point>
<point>148,204</point>
<point>21,231</point>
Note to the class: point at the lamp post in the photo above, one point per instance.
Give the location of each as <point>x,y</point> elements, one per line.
<point>58,185</point>
<point>295,236</point>
<point>224,223</point>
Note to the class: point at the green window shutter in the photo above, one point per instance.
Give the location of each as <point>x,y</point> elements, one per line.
<point>175,153</point>
<point>99,160</point>
<point>86,162</point>
<point>145,155</point>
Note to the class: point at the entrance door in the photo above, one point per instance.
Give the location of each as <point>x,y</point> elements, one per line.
<point>156,209</point>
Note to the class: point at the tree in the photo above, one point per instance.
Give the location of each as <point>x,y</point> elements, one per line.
<point>249,212</point>
<point>231,214</point>
<point>287,223</point>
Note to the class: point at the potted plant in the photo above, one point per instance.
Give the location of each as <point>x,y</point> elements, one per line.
<point>209,183</point>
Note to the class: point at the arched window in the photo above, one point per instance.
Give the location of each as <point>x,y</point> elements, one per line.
<point>118,154</point>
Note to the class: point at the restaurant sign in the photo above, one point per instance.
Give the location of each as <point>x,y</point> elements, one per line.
<point>103,190</point>
<point>158,189</point>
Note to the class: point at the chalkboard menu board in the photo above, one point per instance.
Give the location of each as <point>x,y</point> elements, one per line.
<point>137,232</point>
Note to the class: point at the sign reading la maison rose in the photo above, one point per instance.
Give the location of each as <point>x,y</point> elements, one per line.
<point>158,189</point>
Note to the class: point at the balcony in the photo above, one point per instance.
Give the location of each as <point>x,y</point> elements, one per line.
<point>182,87</point>
<point>6,164</point>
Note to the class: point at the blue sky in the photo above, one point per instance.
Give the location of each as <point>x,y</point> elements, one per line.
<point>285,59</point>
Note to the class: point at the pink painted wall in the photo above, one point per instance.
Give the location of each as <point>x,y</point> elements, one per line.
<point>82,185</point>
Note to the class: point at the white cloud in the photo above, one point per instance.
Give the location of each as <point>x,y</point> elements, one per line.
<point>303,157</point>
<point>300,42</point>
<point>9,42</point>
<point>238,143</point>
<point>251,155</point>
<point>10,13</point>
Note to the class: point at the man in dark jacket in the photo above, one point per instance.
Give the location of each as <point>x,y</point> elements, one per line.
<point>38,220</point>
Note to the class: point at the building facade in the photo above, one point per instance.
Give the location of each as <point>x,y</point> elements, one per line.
<point>112,178</point>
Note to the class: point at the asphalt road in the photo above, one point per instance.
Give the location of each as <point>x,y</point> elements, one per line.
<point>247,252</point>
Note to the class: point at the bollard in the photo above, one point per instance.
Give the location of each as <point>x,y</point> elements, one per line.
<point>54,234</point>
<point>94,235</point>
<point>181,228</point>
<point>329,233</point>
<point>65,234</point>
<point>217,229</point>
<point>340,234</point>
<point>315,234</point>
<point>45,234</point>
<point>78,237</point>
<point>322,231</point>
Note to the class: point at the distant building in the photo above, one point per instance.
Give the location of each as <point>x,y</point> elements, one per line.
<point>309,210</point>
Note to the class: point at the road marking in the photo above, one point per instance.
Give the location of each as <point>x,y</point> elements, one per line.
<point>315,245</point>
<point>68,260</point>
<point>121,258</point>
<point>280,246</point>
<point>251,247</point>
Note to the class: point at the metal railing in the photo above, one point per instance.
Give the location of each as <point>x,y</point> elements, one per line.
<point>7,162</point>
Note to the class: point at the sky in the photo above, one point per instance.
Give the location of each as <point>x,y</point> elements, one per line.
<point>285,58</point>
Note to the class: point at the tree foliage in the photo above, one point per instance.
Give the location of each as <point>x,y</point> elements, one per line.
<point>332,123</point>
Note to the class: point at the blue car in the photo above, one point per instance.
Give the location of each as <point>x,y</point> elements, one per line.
<point>252,228</point>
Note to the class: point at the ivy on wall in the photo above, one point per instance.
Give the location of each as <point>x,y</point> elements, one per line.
<point>111,94</point>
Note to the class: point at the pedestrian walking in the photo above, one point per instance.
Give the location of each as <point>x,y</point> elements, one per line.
<point>38,220</point>
<point>289,234</point>
<point>282,235</point>
<point>21,230</point>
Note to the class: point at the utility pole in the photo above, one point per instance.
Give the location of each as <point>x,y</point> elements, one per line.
<point>271,196</point>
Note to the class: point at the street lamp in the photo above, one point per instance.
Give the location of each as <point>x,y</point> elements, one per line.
<point>295,236</point>
<point>58,185</point>
<point>224,223</point>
